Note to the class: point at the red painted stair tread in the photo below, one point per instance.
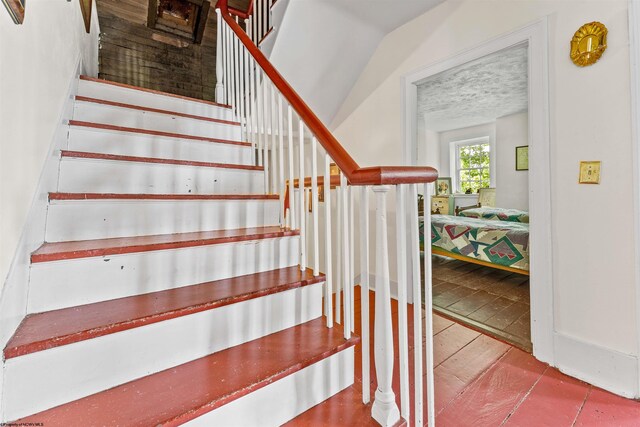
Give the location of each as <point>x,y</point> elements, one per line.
<point>65,326</point>
<point>179,394</point>
<point>117,157</point>
<point>104,126</point>
<point>124,245</point>
<point>129,196</point>
<point>154,110</point>
<point>344,409</point>
<point>157,92</point>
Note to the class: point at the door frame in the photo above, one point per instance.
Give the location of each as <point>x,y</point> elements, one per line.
<point>634,60</point>
<point>541,260</point>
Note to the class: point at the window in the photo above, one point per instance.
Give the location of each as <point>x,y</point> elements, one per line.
<point>472,165</point>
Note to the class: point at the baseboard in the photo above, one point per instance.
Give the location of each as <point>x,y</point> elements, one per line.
<point>605,368</point>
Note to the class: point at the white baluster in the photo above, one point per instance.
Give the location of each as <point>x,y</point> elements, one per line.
<point>236,74</point>
<point>259,117</point>
<point>315,206</point>
<point>246,71</point>
<point>328,294</point>
<point>274,143</point>
<point>219,61</point>
<point>281,186</point>
<point>384,409</point>
<point>302,207</point>
<point>428,305</point>
<point>364,291</point>
<point>266,125</point>
<point>417,305</point>
<point>227,62</point>
<point>346,287</point>
<point>292,205</point>
<point>241,110</point>
<point>352,266</point>
<point>339,256</point>
<point>403,337</point>
<point>259,18</point>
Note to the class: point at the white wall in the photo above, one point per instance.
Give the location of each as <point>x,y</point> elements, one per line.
<point>593,277</point>
<point>512,186</point>
<point>38,65</point>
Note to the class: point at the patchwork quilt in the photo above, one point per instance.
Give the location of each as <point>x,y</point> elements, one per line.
<point>497,242</point>
<point>497,214</point>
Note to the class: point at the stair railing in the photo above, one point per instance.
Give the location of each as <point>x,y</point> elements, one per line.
<point>297,150</point>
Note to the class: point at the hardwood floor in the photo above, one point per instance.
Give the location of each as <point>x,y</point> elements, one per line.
<point>493,301</point>
<point>481,382</point>
<point>134,54</point>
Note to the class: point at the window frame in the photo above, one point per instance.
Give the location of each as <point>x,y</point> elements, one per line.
<point>455,159</point>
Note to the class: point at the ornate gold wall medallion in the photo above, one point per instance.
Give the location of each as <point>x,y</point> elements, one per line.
<point>588,44</point>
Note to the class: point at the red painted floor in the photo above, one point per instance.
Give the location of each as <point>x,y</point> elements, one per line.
<point>479,382</point>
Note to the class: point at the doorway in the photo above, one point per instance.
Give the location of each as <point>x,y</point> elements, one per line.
<point>534,37</point>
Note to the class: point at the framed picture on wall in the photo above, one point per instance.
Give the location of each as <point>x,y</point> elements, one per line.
<point>443,186</point>
<point>15,9</point>
<point>85,6</point>
<point>522,158</point>
<point>440,205</point>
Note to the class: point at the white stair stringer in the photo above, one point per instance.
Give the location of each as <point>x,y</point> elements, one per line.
<point>287,397</point>
<point>133,118</point>
<point>48,378</point>
<point>110,92</point>
<point>87,175</point>
<point>67,283</point>
<point>69,220</point>
<point>97,140</point>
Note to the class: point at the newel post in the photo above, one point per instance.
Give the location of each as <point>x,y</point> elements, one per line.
<point>219,66</point>
<point>384,410</point>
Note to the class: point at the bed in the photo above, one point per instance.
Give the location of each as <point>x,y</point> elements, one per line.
<point>501,243</point>
<point>496,214</point>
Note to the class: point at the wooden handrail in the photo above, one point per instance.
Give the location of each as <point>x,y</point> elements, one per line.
<point>378,175</point>
<point>239,13</point>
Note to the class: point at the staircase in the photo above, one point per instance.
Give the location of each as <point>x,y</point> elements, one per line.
<point>167,291</point>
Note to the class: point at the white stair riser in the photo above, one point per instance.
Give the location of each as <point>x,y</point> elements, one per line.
<point>48,378</point>
<point>128,117</point>
<point>136,97</point>
<point>141,145</point>
<point>68,283</point>
<point>100,219</point>
<point>286,398</point>
<point>80,175</point>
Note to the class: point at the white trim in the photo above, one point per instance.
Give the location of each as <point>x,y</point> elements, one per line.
<point>536,35</point>
<point>454,158</point>
<point>602,367</point>
<point>634,56</point>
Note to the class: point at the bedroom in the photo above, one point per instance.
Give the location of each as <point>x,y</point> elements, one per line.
<point>473,127</point>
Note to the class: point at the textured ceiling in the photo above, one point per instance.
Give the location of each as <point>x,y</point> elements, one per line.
<point>477,92</point>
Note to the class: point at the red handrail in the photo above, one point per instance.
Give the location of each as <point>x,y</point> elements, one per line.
<point>378,175</point>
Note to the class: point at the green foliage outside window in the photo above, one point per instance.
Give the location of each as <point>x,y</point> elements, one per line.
<point>473,167</point>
